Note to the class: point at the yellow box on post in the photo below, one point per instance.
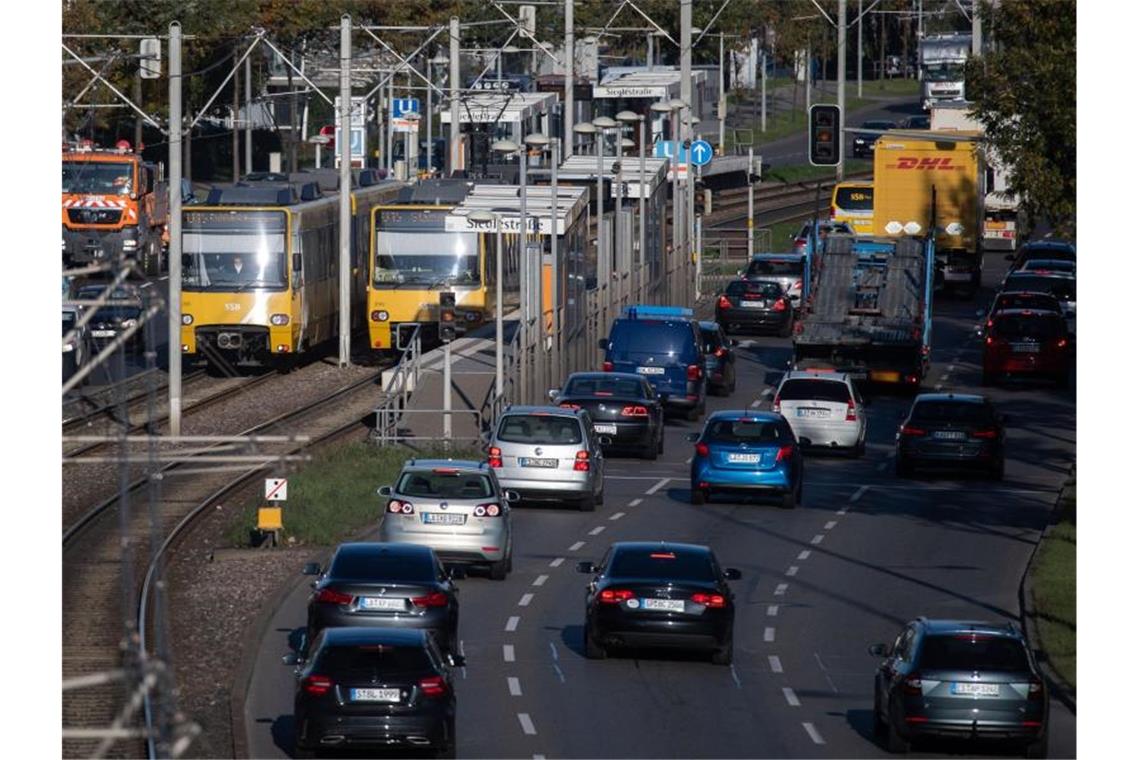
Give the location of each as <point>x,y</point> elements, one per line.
<point>269,521</point>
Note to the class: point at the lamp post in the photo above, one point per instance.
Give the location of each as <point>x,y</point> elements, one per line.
<point>541,142</point>
<point>603,123</point>
<point>674,161</point>
<point>628,117</point>
<point>687,205</point>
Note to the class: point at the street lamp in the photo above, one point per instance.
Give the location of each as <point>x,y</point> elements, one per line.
<point>628,117</point>
<point>508,148</point>
<point>603,123</point>
<point>680,105</point>
<point>584,128</point>
<point>482,216</point>
<point>541,142</point>
<point>674,160</point>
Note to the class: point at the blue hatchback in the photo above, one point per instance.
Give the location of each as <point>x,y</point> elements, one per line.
<point>746,451</point>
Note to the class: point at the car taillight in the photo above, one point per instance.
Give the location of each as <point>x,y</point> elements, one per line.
<point>316,685</point>
<point>607,366</point>
<point>614,595</point>
<point>495,457</point>
<point>912,684</point>
<point>723,303</point>
<point>1036,688</point>
<point>568,405</point>
<point>693,372</point>
<point>831,215</point>
<point>911,430</point>
<point>781,305</point>
<point>1062,342</point>
<point>850,410</point>
<point>488,510</point>
<point>715,601</point>
<point>799,285</point>
<point>328,596</point>
<point>582,461</point>
<point>776,404</point>
<point>990,434</point>
<point>785,452</point>
<point>434,686</point>
<point>395,506</point>
<point>721,352</point>
<point>702,449</point>
<point>434,599</point>
<point>635,410</point>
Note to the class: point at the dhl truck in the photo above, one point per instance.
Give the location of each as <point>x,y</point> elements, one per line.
<point>114,208</point>
<point>917,181</point>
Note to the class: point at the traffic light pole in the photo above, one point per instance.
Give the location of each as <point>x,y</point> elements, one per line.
<point>447,394</point>
<point>174,257</point>
<point>345,148</point>
<point>841,75</point>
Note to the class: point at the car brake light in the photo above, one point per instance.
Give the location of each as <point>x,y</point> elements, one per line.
<point>1062,342</point>
<point>781,305</point>
<point>487,510</point>
<point>328,596</point>
<point>395,506</point>
<point>799,285</point>
<point>832,214</point>
<point>800,241</point>
<point>693,372</point>
<point>495,457</point>
<point>850,410</point>
<point>715,601</point>
<point>702,449</point>
<point>582,461</point>
<point>433,686</point>
<point>614,596</point>
<point>785,452</point>
<point>635,411</point>
<point>607,366</point>
<point>316,685</point>
<point>434,599</point>
<point>985,434</point>
<point>776,404</point>
<point>912,684</point>
<point>911,430</point>
<point>723,303</point>
<point>721,352</point>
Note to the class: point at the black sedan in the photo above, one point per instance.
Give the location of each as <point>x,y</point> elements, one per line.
<point>622,406</point>
<point>374,688</point>
<point>385,585</point>
<point>121,311</point>
<point>863,144</point>
<point>754,305</point>
<point>659,595</point>
<point>952,430</point>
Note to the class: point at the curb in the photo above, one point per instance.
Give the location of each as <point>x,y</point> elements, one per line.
<point>1065,692</point>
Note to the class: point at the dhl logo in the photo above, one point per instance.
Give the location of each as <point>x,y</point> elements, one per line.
<point>924,164</point>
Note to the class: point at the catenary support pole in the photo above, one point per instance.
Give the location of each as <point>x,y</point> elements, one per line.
<point>859,55</point>
<point>248,115</point>
<point>345,146</point>
<point>427,114</point>
<point>555,361</point>
<point>174,259</point>
<point>456,161</point>
<point>976,29</point>
<point>138,99</point>
<point>237,108</point>
<point>763,90</point>
<point>687,116</point>
<point>722,102</point>
<point>751,221</point>
<point>388,132</point>
<point>841,84</point>
<point>642,189</point>
<point>527,264</point>
<point>447,394</point>
<point>568,117</point>
<point>498,307</point>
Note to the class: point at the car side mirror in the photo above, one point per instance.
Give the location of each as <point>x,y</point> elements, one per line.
<point>553,393</point>
<point>733,342</point>
<point>605,440</point>
<point>292,658</point>
<point>384,491</point>
<point>456,660</point>
<point>512,496</point>
<point>603,343</point>
<point>731,574</point>
<point>878,650</point>
<point>311,568</point>
<point>587,567</point>
<point>692,437</point>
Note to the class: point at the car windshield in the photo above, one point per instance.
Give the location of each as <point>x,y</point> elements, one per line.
<point>540,428</point>
<point>604,386</point>
<point>854,198</point>
<point>376,565</point>
<point>662,563</point>
<point>635,340</point>
<point>952,411</point>
<point>769,268</point>
<point>966,652</point>
<point>814,390</point>
<point>367,661</point>
<point>1064,288</point>
<point>451,484</point>
<point>97,177</point>
<point>745,430</point>
<point>233,250</point>
<point>763,289</point>
<point>1020,326</point>
<point>1026,301</point>
<point>1047,265</point>
<point>426,258</point>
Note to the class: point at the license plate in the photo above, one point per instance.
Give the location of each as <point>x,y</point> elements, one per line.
<point>816,413</point>
<point>103,333</point>
<point>948,435</point>
<point>666,605</point>
<point>885,377</point>
<point>374,695</point>
<point>744,458</point>
<point>651,370</point>
<point>527,462</point>
<point>753,304</point>
<point>443,518</point>
<point>606,429</point>
<point>1026,348</point>
<point>381,603</point>
<point>958,276</point>
<point>976,689</point>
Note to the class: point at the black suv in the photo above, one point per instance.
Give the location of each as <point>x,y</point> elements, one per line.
<point>375,687</point>
<point>960,679</point>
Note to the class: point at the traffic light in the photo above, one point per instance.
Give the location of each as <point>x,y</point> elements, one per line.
<point>447,316</point>
<point>824,137</point>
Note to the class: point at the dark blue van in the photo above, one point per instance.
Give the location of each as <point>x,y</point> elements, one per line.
<point>663,344</point>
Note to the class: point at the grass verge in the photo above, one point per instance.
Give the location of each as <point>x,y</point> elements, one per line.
<point>1054,584</point>
<point>805,172</point>
<point>334,496</point>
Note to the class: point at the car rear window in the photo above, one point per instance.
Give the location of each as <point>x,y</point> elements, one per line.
<point>1053,265</point>
<point>540,428</point>
<point>768,268</point>
<point>765,289</point>
<point>854,198</point>
<point>605,386</point>
<point>633,340</point>
<point>1026,301</point>
<point>662,563</point>
<point>952,411</point>
<point>367,660</point>
<point>453,485</point>
<point>1018,326</point>
<point>1064,288</point>
<point>814,390</point>
<point>965,652</point>
<point>383,566</point>
<point>746,430</point>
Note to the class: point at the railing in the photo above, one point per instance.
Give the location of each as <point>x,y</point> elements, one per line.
<point>399,388</point>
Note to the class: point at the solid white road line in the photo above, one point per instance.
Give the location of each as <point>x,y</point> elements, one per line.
<point>735,677</point>
<point>769,634</point>
<point>525,600</point>
<point>597,530</point>
<point>775,664</point>
<point>773,610</point>
<point>804,555</point>
<point>634,502</point>
<point>512,623</point>
<point>513,686</point>
<point>813,733</point>
<point>617,515</point>
<point>658,486</point>
<point>527,725</point>
<point>829,524</point>
<point>793,700</point>
<point>508,652</point>
<point>859,494</point>
<point>780,589</point>
<point>817,538</point>
<point>576,546</point>
<point>540,580</point>
<point>792,570</point>
<point>557,561</point>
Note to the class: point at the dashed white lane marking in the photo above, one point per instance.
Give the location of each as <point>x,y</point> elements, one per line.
<point>775,664</point>
<point>817,538</point>
<point>617,515</point>
<point>756,403</point>
<point>689,460</point>
<point>463,654</point>
<point>813,733</point>
<point>792,570</point>
<point>829,524</point>
<point>514,687</point>
<point>780,589</point>
<point>558,672</point>
<point>944,377</point>
<point>576,546</point>
<point>841,511</point>
<point>767,392</point>
<point>540,580</point>
<point>769,634</point>
<point>735,677</point>
<point>773,610</point>
<point>553,650</point>
<point>938,387</point>
<point>527,724</point>
<point>597,530</point>
<point>793,700</point>
<point>658,486</point>
<point>881,466</point>
<point>557,561</point>
<point>508,652</point>
<point>525,600</point>
<point>512,623</point>
<point>858,494</point>
<point>634,502</point>
<point>804,555</point>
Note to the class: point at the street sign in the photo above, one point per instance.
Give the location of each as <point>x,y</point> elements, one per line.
<point>671,150</point>
<point>405,107</point>
<point>356,143</point>
<point>276,489</point>
<point>700,152</point>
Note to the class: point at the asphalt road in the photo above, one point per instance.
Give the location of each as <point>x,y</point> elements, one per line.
<point>865,553</point>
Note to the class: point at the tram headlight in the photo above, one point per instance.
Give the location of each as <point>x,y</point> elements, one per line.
<point>187,319</point>
<point>379,316</point>
<point>279,320</point>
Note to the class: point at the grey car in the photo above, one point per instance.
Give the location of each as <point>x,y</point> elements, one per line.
<point>549,454</point>
<point>457,508</point>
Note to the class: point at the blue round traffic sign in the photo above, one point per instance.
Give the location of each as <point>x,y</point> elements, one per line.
<point>700,152</point>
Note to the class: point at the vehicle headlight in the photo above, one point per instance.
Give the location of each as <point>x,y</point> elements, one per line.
<point>68,347</point>
<point>279,320</point>
<point>380,316</point>
<point>128,323</point>
<point>187,319</point>
<point>130,245</point>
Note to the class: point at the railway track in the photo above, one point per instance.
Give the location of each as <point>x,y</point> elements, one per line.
<point>103,400</point>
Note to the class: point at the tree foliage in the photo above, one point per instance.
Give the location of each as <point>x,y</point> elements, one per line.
<point>1025,94</point>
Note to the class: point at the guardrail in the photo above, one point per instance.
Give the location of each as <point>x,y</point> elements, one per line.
<point>399,388</point>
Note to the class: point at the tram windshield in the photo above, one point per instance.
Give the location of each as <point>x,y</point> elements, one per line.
<point>233,250</point>
<point>426,258</point>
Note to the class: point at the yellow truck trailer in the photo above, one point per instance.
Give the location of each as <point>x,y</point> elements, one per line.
<point>910,174</point>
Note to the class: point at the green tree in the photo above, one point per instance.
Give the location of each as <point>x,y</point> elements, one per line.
<point>1025,94</point>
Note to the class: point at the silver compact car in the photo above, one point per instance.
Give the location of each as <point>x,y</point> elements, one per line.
<point>549,454</point>
<point>455,507</point>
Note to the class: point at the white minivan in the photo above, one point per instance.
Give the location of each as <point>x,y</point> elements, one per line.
<point>824,409</point>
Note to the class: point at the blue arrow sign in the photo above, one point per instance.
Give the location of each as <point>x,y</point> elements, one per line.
<point>701,152</point>
<point>401,106</point>
<point>671,150</point>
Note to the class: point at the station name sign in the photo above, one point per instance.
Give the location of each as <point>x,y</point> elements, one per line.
<point>536,225</point>
<point>629,91</point>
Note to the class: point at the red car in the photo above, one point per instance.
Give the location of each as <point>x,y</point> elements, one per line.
<point>1027,342</point>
